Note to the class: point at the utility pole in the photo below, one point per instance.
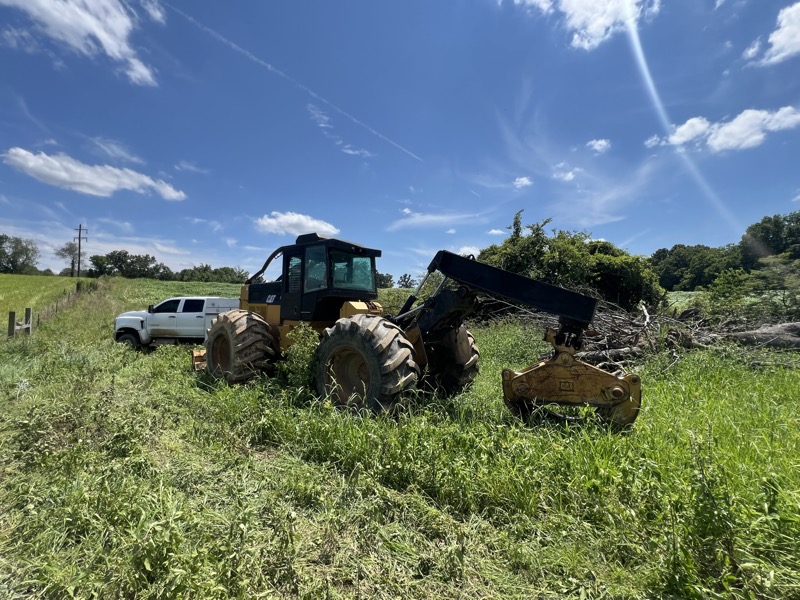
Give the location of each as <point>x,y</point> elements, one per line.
<point>80,237</point>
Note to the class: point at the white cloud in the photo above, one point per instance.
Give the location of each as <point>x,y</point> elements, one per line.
<point>124,226</point>
<point>747,130</point>
<point>522,182</point>
<point>214,225</point>
<point>65,172</point>
<point>155,10</point>
<point>450,231</point>
<point>20,39</point>
<point>594,21</point>
<point>412,219</point>
<point>186,165</point>
<point>230,242</point>
<point>652,141</point>
<point>323,121</point>
<point>116,150</point>
<point>91,28</point>
<point>752,50</point>
<point>496,232</point>
<point>348,149</point>
<point>169,249</point>
<point>294,224</point>
<point>784,42</point>
<point>694,128</point>
<point>467,250</point>
<point>565,174</point>
<point>599,146</point>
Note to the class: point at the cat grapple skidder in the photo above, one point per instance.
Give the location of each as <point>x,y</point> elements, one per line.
<point>366,358</point>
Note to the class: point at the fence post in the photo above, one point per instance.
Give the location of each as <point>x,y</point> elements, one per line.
<point>28,323</point>
<point>12,323</point>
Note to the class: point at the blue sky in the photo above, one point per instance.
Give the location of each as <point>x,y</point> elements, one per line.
<point>214,132</point>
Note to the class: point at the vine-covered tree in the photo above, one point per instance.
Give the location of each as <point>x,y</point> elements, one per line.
<point>69,253</point>
<point>573,259</point>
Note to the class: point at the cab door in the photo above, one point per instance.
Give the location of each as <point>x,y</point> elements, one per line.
<point>192,318</point>
<point>163,321</point>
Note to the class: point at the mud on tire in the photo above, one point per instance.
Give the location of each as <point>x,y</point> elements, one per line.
<point>365,361</point>
<point>239,346</point>
<point>453,362</point>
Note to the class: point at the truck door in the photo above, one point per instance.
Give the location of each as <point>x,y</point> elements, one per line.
<point>163,321</point>
<point>192,318</point>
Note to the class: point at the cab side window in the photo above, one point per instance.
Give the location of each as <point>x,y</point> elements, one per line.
<point>193,305</point>
<point>170,306</point>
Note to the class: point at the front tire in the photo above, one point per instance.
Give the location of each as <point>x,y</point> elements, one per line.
<point>239,346</point>
<point>365,361</point>
<point>131,340</point>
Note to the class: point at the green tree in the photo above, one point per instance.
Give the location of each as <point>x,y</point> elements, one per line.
<point>685,268</point>
<point>406,281</point>
<point>133,266</point>
<point>69,253</point>
<point>383,280</point>
<point>573,259</point>
<point>778,234</point>
<point>18,255</point>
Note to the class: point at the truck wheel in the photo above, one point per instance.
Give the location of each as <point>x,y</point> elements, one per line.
<point>239,346</point>
<point>130,339</point>
<point>365,361</point>
<point>453,362</point>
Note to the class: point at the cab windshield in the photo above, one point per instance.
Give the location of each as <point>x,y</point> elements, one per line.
<point>352,272</point>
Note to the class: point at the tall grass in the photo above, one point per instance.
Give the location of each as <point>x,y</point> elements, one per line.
<point>124,474</point>
<point>18,292</point>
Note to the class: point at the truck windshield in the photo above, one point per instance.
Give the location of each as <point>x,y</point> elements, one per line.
<point>352,272</point>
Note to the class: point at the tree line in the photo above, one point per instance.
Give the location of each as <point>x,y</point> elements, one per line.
<point>766,259</point>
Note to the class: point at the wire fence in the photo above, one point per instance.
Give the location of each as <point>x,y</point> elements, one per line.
<point>31,320</point>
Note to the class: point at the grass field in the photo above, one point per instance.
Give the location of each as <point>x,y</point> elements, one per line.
<point>18,292</point>
<point>125,474</point>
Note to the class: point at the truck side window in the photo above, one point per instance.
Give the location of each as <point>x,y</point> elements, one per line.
<point>170,306</point>
<point>316,269</point>
<point>193,305</point>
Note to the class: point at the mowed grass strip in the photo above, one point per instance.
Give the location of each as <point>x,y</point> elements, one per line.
<point>125,474</point>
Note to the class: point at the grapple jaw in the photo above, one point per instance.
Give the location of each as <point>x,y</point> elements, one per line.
<point>565,381</point>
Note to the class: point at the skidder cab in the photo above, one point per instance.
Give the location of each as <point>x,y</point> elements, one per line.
<point>366,358</point>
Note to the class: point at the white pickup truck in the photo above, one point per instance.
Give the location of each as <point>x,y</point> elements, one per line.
<point>184,319</point>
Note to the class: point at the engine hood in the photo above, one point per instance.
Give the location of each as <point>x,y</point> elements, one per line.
<point>133,314</point>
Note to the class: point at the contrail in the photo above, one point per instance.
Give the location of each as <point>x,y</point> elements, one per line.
<point>272,69</point>
<point>666,123</point>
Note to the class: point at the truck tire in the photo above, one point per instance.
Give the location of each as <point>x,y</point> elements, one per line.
<point>130,339</point>
<point>239,346</point>
<point>365,361</point>
<point>453,362</point>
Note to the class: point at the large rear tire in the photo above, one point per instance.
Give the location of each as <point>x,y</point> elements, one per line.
<point>453,362</point>
<point>365,361</point>
<point>239,346</point>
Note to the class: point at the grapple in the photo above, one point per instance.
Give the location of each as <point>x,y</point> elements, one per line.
<point>565,381</point>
